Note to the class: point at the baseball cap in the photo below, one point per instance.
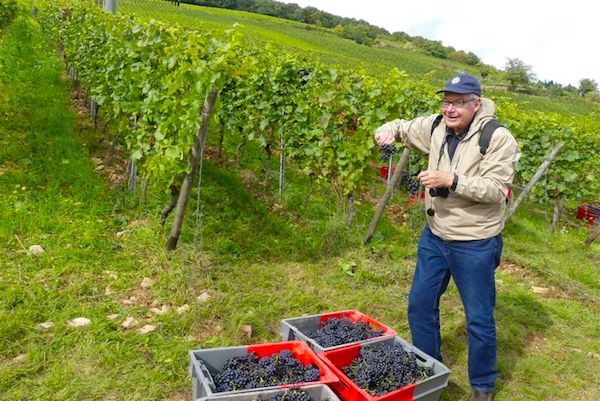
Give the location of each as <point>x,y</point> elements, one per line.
<point>462,83</point>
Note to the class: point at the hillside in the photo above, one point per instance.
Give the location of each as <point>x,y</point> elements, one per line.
<point>75,242</point>
<point>330,48</point>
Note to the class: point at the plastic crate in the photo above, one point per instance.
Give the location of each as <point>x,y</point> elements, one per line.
<point>294,328</point>
<point>317,392</point>
<point>429,389</point>
<point>588,213</point>
<point>206,362</point>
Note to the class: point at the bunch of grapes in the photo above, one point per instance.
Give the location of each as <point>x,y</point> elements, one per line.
<point>291,395</point>
<point>410,182</point>
<point>337,331</point>
<point>382,369</point>
<point>248,371</point>
<point>387,151</point>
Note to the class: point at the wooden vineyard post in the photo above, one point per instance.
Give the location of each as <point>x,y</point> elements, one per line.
<point>595,232</point>
<point>538,174</point>
<point>196,152</point>
<point>389,189</point>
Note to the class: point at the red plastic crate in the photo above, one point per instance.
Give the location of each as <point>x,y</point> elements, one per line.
<point>207,362</point>
<point>428,389</point>
<point>294,328</point>
<point>588,213</point>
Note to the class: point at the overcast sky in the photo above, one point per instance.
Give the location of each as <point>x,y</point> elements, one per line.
<point>558,39</point>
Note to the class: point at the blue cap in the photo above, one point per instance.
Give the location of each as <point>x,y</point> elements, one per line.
<point>462,83</point>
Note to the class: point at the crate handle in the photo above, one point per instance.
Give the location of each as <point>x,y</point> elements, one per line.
<point>209,379</point>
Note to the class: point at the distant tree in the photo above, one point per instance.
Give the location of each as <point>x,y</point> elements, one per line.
<point>587,86</point>
<point>358,33</point>
<point>431,47</point>
<point>518,74</point>
<point>464,57</point>
<point>401,36</point>
<point>571,89</point>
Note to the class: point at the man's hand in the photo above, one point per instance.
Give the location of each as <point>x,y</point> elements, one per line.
<point>436,178</point>
<point>384,138</point>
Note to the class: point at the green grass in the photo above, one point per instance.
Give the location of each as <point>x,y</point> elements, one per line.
<point>261,258</point>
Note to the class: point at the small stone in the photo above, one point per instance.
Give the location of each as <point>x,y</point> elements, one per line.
<point>107,291</point>
<point>79,322</point>
<point>45,325</point>
<point>113,316</point>
<point>20,358</point>
<point>540,290</point>
<point>110,274</point>
<point>202,298</point>
<point>146,282</point>
<point>130,301</point>
<point>247,330</point>
<point>161,311</point>
<point>36,250</point>
<point>129,322</point>
<point>147,328</point>
<point>183,309</point>
<point>121,233</point>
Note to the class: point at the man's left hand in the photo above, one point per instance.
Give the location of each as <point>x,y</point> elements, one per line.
<point>436,178</point>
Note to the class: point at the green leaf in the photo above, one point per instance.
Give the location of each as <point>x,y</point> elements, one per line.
<point>348,267</point>
<point>324,120</point>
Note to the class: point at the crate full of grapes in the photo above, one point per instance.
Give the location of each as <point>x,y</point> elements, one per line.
<point>314,392</point>
<point>334,330</point>
<point>222,372</point>
<point>388,369</point>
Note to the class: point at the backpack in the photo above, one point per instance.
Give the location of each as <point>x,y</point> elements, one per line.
<point>484,140</point>
<point>486,133</point>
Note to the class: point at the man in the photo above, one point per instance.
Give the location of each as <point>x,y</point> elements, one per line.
<point>467,187</point>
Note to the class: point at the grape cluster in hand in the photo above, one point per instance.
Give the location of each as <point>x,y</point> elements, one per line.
<point>382,369</point>
<point>387,151</point>
<point>291,395</point>
<point>338,331</point>
<point>410,182</point>
<point>248,371</point>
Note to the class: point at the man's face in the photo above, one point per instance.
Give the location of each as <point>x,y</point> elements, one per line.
<point>459,109</point>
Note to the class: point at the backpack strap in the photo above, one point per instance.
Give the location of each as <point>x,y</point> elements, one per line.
<point>436,122</point>
<point>486,134</point>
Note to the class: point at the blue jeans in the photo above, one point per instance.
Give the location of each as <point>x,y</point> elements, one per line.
<point>472,265</point>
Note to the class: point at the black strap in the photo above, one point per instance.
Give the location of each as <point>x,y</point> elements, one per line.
<point>436,122</point>
<point>486,133</point>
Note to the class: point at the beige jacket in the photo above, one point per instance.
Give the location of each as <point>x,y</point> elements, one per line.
<point>475,210</point>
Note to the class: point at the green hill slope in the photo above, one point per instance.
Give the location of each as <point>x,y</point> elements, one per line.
<point>260,258</point>
<point>332,49</point>
<point>322,42</point>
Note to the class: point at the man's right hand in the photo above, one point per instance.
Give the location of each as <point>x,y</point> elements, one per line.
<point>384,136</point>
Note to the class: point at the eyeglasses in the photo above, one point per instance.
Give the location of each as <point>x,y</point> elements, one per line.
<point>458,104</point>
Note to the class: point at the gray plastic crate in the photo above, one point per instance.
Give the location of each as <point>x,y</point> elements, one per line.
<point>429,389</point>
<point>294,328</point>
<point>204,363</point>
<point>317,392</point>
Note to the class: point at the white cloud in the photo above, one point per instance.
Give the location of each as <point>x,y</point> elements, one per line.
<point>556,38</point>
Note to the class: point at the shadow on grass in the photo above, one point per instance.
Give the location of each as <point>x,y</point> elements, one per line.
<point>521,321</point>
<point>238,224</point>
